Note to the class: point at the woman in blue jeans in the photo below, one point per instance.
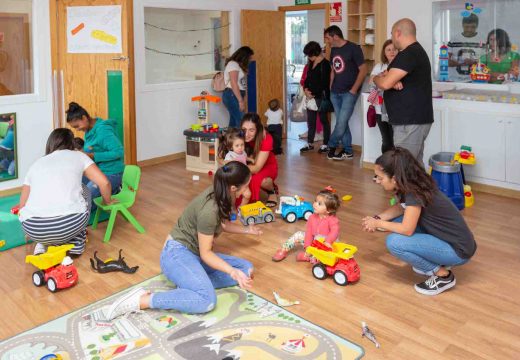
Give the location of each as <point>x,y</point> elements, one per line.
<point>188,259</point>
<point>236,83</point>
<point>428,232</point>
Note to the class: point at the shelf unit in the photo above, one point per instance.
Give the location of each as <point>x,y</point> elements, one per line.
<point>357,13</point>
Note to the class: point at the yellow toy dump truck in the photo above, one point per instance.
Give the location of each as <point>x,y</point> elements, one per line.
<point>255,213</point>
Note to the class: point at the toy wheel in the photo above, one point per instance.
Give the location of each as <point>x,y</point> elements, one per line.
<point>51,285</point>
<point>268,218</point>
<point>38,278</point>
<point>291,217</point>
<point>318,270</point>
<point>340,278</point>
<point>250,221</point>
<point>307,215</point>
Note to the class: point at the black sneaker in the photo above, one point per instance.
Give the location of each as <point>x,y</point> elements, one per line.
<point>342,155</point>
<point>331,153</point>
<point>323,149</point>
<point>436,284</point>
<point>306,148</point>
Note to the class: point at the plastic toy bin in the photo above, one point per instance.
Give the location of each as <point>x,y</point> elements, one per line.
<point>448,176</point>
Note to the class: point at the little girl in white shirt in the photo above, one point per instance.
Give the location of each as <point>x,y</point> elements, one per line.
<point>275,125</point>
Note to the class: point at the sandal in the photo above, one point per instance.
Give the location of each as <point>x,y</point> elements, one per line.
<point>272,203</point>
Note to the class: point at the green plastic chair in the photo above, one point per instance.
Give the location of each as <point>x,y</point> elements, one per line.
<point>125,199</point>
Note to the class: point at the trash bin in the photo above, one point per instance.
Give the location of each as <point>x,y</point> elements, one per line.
<point>448,176</point>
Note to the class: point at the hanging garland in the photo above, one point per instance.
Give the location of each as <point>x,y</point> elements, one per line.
<point>186,55</point>
<point>190,30</point>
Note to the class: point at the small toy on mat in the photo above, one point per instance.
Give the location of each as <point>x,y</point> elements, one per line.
<point>284,302</point>
<point>347,198</point>
<point>110,265</point>
<point>369,334</point>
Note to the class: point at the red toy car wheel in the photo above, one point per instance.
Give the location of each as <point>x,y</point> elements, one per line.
<point>52,285</point>
<point>319,272</point>
<point>340,278</point>
<point>38,278</point>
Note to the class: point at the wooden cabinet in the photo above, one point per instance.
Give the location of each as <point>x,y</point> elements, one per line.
<point>366,26</point>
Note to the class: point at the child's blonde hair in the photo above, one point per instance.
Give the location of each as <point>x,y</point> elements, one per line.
<point>274,104</point>
<point>227,139</point>
<point>332,202</point>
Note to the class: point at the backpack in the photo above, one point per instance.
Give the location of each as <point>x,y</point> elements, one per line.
<point>217,83</point>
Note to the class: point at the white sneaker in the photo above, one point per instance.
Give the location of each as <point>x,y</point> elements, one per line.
<point>126,304</point>
<point>39,249</point>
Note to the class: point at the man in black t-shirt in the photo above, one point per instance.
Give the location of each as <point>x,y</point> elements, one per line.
<point>408,90</point>
<point>347,76</point>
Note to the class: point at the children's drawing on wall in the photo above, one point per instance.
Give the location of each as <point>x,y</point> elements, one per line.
<point>8,168</point>
<point>94,29</point>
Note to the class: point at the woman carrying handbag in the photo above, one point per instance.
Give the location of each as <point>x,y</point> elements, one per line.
<point>317,88</point>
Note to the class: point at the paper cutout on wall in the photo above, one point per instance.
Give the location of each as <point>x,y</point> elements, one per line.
<point>94,29</point>
<point>469,9</point>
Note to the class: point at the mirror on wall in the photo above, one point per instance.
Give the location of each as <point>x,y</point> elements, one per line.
<point>476,41</point>
<point>8,166</point>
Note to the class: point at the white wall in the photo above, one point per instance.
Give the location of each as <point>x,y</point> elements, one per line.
<point>163,111</point>
<point>33,111</point>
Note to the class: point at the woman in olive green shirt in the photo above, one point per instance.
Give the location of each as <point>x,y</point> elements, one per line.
<point>499,58</point>
<point>188,259</point>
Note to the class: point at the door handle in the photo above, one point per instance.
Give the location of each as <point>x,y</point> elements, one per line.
<point>121,58</point>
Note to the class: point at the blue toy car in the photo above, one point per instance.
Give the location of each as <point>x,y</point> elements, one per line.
<point>293,208</point>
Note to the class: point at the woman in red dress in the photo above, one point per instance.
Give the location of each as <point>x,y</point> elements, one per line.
<point>264,169</point>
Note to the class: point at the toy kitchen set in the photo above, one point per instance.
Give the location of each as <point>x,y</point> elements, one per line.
<point>202,138</point>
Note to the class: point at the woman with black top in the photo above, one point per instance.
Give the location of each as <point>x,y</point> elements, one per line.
<point>317,86</point>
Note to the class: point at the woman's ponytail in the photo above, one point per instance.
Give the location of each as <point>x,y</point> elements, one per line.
<point>235,174</point>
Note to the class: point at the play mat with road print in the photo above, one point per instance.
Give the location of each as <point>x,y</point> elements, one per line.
<point>242,326</point>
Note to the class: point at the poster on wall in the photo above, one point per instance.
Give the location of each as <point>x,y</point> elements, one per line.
<point>335,12</point>
<point>94,29</point>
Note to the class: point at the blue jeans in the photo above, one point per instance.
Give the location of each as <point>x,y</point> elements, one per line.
<point>423,251</point>
<point>196,282</point>
<point>344,104</point>
<point>115,181</point>
<point>231,103</point>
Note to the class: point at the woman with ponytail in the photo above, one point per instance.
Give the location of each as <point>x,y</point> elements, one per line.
<point>428,231</point>
<point>188,259</point>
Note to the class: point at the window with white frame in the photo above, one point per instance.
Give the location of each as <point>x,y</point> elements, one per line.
<point>16,68</point>
<point>183,45</point>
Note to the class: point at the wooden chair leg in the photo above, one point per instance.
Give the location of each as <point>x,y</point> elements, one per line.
<point>132,220</point>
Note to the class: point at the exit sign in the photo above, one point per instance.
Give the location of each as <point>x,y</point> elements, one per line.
<point>302,2</point>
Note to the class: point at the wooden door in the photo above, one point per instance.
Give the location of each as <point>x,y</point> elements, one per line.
<point>86,77</point>
<point>264,32</point>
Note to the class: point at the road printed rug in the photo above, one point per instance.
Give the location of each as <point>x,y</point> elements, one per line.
<point>242,326</point>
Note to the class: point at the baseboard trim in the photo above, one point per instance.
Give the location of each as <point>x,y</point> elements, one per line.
<point>10,192</point>
<point>162,159</point>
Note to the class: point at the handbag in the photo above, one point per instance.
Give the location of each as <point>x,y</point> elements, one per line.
<point>326,104</point>
<point>310,104</point>
<point>298,113</point>
<point>371,116</point>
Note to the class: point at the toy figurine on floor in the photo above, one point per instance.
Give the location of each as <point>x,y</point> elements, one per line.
<point>110,265</point>
<point>323,223</point>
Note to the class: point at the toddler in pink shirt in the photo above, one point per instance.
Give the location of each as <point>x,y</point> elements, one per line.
<point>323,223</point>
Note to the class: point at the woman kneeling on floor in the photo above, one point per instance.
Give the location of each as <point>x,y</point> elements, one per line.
<point>428,231</point>
<point>188,259</point>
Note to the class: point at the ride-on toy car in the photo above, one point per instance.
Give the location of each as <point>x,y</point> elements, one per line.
<point>56,269</point>
<point>255,213</point>
<point>293,208</point>
<point>337,262</point>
